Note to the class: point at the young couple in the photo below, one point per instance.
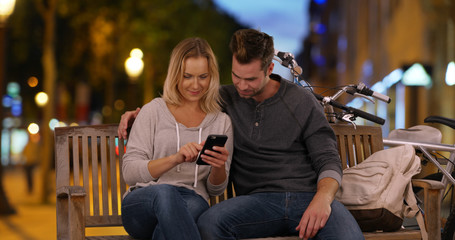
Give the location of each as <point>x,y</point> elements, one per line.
<point>285,165</point>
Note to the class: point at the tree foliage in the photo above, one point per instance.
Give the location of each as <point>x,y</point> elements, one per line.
<point>94,38</point>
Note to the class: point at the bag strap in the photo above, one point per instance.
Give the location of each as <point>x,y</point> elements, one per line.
<point>412,210</point>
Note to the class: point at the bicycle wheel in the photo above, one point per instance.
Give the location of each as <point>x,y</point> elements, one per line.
<point>449,228</point>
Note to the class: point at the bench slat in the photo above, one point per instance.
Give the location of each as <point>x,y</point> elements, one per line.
<point>113,171</point>
<point>85,173</point>
<point>104,176</point>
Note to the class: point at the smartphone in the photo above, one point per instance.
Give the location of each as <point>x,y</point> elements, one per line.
<point>212,140</point>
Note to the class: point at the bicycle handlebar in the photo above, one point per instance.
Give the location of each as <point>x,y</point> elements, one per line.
<point>356,112</point>
<point>442,120</point>
<point>287,60</point>
<point>363,89</point>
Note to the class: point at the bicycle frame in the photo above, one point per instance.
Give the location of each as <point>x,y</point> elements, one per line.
<point>425,148</point>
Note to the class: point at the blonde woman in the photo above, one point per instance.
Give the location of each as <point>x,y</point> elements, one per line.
<point>168,189</point>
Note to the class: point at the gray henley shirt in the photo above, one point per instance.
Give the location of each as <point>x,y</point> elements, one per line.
<point>283,144</point>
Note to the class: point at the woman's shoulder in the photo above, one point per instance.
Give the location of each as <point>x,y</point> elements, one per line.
<point>155,104</point>
<point>156,107</point>
<point>223,117</point>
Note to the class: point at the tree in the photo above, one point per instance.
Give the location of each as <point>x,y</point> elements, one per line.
<point>47,9</point>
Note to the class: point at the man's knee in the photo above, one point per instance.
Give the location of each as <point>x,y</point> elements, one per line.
<point>210,224</point>
<point>207,218</point>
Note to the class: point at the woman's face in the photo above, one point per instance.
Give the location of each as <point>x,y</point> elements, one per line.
<point>196,79</point>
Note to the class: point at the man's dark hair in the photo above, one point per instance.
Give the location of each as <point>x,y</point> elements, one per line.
<point>248,44</point>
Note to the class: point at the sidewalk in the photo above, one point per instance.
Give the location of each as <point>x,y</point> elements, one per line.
<point>33,220</point>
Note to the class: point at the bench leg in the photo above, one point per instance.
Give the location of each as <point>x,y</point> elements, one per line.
<point>70,217</point>
<point>433,214</point>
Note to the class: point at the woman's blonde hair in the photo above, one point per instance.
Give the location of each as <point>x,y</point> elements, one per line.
<point>189,48</point>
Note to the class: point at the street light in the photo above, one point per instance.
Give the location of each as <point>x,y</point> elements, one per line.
<point>6,9</point>
<point>134,64</point>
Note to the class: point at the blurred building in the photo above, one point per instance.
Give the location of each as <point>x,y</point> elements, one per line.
<point>402,48</point>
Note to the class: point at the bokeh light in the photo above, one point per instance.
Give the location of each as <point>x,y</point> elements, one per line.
<point>32,81</point>
<point>33,128</point>
<point>41,99</point>
<point>53,123</point>
<point>119,104</point>
<point>134,64</point>
<point>136,53</point>
<point>13,89</point>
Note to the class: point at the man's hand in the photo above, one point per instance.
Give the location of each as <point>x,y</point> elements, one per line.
<point>125,122</point>
<point>318,212</point>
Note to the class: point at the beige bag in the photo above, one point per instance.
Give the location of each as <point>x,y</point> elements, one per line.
<point>378,191</point>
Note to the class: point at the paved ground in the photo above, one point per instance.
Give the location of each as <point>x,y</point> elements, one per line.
<point>33,220</point>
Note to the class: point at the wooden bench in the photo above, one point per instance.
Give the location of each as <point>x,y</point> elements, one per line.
<point>90,186</point>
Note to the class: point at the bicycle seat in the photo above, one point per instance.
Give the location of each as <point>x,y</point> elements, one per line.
<point>421,133</point>
<point>443,120</point>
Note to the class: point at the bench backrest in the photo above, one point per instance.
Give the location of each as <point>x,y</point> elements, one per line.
<point>91,157</point>
<point>355,145</point>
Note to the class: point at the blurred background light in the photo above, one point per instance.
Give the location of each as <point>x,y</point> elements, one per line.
<point>41,99</point>
<point>136,53</point>
<point>53,123</point>
<point>33,128</point>
<point>7,101</point>
<point>416,76</point>
<point>119,104</point>
<point>8,122</point>
<point>13,89</point>
<point>32,81</point>
<point>6,8</point>
<point>134,64</point>
<point>19,138</point>
<point>450,74</point>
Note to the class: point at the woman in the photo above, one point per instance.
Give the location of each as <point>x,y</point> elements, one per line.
<point>168,191</point>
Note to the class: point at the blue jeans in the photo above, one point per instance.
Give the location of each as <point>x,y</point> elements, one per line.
<point>272,214</point>
<point>162,212</point>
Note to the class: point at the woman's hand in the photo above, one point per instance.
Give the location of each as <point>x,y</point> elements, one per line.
<point>189,152</point>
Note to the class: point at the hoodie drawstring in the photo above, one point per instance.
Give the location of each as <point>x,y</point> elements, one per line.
<point>197,166</point>
<point>178,142</point>
<point>178,148</point>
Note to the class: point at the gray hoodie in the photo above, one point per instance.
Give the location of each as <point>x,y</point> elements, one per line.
<point>156,134</point>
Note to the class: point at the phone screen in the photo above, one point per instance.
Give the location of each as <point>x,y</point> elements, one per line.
<point>212,140</point>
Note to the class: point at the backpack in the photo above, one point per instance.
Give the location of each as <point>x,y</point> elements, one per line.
<point>378,191</point>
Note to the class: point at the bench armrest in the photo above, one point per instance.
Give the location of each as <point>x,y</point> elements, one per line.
<point>70,212</point>
<point>432,211</point>
<point>69,191</point>
<point>427,184</point>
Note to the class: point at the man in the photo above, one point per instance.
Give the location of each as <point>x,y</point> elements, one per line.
<point>285,168</point>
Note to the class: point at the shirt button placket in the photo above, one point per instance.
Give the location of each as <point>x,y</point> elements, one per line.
<point>257,118</point>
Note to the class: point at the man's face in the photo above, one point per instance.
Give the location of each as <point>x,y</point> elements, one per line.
<point>249,79</point>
